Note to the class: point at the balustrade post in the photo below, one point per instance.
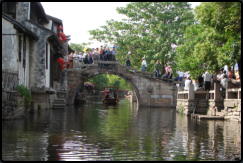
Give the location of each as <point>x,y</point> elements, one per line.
<point>217,93</point>
<point>191,93</point>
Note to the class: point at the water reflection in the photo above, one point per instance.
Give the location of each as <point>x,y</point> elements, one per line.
<point>118,132</point>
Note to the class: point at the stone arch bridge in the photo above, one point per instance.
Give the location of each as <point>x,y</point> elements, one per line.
<point>150,92</point>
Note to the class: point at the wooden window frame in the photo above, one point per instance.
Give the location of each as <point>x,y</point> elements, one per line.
<point>6,8</point>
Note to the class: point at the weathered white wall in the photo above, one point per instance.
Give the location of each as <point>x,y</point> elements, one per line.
<point>48,25</point>
<point>47,72</point>
<point>9,47</point>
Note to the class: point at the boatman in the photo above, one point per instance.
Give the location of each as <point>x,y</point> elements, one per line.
<point>107,95</point>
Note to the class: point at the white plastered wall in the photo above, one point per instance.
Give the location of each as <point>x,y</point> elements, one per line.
<point>47,71</point>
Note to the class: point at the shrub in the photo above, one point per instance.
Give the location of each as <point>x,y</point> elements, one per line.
<point>181,109</point>
<point>26,94</point>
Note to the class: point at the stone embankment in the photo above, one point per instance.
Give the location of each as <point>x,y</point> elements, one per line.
<point>13,105</point>
<point>233,114</point>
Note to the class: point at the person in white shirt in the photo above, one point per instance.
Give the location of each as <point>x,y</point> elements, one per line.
<point>181,75</point>
<point>76,59</point>
<point>187,83</point>
<point>207,80</point>
<point>222,76</point>
<point>96,55</point>
<point>144,65</point>
<point>223,83</point>
<point>80,58</point>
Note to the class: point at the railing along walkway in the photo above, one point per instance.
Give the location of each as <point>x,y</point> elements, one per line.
<point>112,64</point>
<point>9,81</point>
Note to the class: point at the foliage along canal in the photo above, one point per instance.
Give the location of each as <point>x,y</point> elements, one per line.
<point>124,132</point>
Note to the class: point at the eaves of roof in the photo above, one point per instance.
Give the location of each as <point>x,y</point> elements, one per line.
<point>40,11</point>
<point>20,27</point>
<point>54,19</point>
<point>70,49</point>
<point>38,25</point>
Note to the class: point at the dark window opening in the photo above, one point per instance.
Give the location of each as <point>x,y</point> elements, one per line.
<point>9,8</point>
<point>54,28</point>
<point>20,48</point>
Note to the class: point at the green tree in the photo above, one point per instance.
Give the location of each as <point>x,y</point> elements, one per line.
<point>100,81</point>
<point>151,30</point>
<point>79,47</point>
<point>109,80</point>
<point>215,41</point>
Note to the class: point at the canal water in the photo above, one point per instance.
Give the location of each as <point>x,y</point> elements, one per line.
<point>124,132</point>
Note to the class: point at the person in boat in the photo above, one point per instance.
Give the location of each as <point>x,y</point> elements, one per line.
<point>107,95</point>
<point>114,94</point>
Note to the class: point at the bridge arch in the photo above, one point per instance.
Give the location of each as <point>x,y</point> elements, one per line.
<point>72,92</point>
<point>150,92</point>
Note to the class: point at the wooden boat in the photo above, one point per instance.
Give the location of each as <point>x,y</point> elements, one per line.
<point>80,99</point>
<point>110,100</point>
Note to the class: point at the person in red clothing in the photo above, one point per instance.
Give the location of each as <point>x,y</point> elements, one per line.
<point>100,54</point>
<point>231,74</point>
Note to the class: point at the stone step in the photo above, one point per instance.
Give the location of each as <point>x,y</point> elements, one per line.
<point>58,105</point>
<point>59,102</point>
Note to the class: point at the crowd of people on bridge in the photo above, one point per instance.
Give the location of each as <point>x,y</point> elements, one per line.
<point>91,56</point>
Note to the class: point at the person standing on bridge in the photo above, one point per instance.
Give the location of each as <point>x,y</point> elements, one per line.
<point>108,52</point>
<point>95,55</point>
<point>80,58</point>
<point>107,55</point>
<point>207,78</point>
<point>85,57</point>
<point>100,55</point>
<point>171,73</point>
<point>113,54</point>
<point>90,57</point>
<point>70,60</point>
<point>144,65</point>
<point>128,57</point>
<point>76,59</point>
<point>167,71</point>
<point>104,55</point>
<point>157,68</point>
<point>181,76</point>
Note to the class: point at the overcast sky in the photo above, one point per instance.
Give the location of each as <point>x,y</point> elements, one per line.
<point>80,17</point>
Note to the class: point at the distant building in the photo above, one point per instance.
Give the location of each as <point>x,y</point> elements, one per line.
<point>30,48</point>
